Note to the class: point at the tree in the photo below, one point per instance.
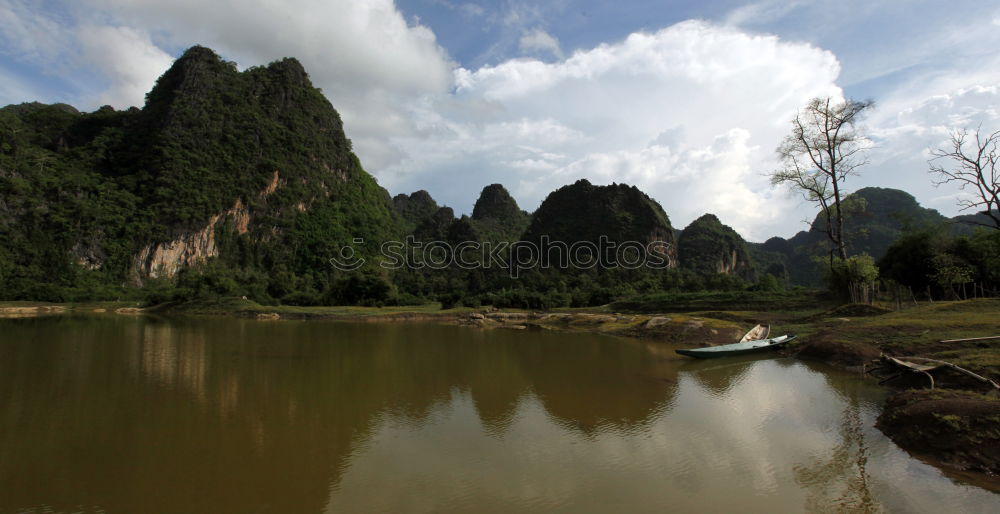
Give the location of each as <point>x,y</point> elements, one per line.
<point>855,277</point>
<point>824,148</point>
<point>973,167</point>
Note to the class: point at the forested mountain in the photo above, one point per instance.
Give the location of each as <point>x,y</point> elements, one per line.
<point>585,212</point>
<point>496,215</point>
<point>229,183</point>
<point>252,168</point>
<point>414,209</point>
<point>706,246</point>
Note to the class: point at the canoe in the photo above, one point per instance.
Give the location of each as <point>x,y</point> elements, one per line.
<point>741,348</point>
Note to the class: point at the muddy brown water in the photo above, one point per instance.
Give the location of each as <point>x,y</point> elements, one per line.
<point>108,413</point>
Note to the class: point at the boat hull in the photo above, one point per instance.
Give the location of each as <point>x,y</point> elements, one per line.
<point>730,350</point>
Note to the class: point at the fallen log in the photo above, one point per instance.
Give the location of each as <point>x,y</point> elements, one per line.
<point>969,339</point>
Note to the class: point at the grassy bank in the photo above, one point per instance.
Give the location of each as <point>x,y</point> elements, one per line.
<point>770,301</point>
<point>249,308</point>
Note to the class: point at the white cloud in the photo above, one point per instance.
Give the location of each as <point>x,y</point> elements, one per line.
<point>472,10</point>
<point>28,34</point>
<point>537,41</point>
<point>758,13</point>
<point>723,97</point>
<point>910,123</point>
<point>126,58</point>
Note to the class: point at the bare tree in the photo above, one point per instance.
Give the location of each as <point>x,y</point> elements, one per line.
<point>824,148</point>
<point>974,167</point>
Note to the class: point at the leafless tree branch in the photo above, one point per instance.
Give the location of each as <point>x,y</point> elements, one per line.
<point>824,148</point>
<point>972,164</point>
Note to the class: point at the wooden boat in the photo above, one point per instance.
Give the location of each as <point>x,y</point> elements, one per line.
<point>740,348</point>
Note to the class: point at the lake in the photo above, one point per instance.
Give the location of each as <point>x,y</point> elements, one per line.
<point>110,413</point>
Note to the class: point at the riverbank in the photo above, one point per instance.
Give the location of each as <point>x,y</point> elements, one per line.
<point>951,424</point>
<point>957,424</point>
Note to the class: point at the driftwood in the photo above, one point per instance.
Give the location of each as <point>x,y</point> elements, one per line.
<point>956,368</point>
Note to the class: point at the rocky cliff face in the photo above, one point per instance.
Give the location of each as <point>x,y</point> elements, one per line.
<point>708,247</point>
<point>165,259</point>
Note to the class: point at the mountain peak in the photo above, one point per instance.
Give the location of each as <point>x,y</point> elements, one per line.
<point>707,246</point>
<point>495,202</point>
<point>585,212</point>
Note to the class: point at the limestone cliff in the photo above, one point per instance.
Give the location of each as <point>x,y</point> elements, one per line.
<point>157,260</point>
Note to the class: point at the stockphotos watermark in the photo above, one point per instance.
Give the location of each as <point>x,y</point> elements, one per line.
<point>515,257</point>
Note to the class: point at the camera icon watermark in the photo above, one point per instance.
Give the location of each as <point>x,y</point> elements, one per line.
<point>348,258</point>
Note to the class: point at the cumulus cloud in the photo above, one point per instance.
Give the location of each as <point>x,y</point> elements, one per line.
<point>691,114</point>
<point>66,48</point>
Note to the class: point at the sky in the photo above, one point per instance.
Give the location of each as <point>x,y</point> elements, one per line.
<point>685,99</point>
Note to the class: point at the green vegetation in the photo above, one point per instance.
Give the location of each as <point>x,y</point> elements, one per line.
<point>83,194</point>
<point>617,212</point>
<point>935,265</point>
<point>497,217</point>
<point>855,278</point>
<point>708,247</point>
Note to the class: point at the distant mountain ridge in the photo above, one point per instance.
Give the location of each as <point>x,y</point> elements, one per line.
<point>875,217</point>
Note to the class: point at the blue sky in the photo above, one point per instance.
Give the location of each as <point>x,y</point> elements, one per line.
<point>686,100</point>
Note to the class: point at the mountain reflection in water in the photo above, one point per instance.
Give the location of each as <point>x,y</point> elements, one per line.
<point>222,415</point>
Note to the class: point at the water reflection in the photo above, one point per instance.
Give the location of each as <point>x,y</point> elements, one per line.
<point>840,480</point>
<point>146,415</point>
